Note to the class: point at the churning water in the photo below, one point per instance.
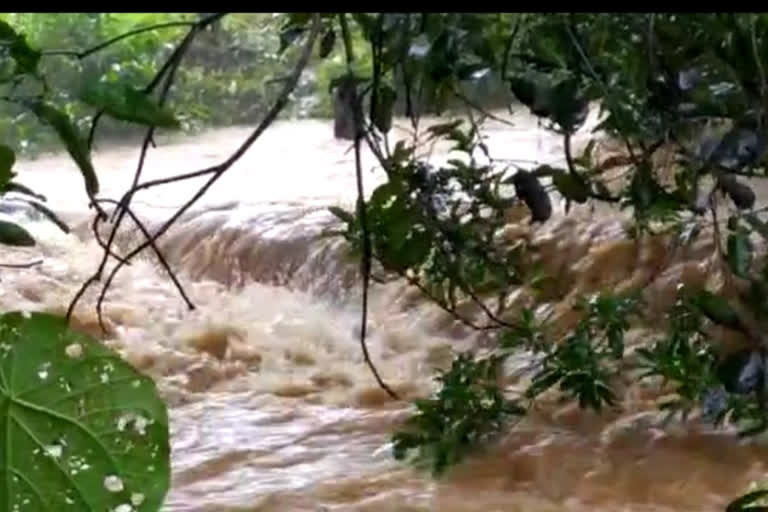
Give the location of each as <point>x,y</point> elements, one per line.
<point>272,406</point>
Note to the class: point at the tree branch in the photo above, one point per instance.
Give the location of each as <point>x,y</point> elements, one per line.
<point>216,171</point>
<point>21,265</point>
<point>82,54</point>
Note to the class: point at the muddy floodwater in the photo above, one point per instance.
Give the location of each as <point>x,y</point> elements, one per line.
<point>272,407</point>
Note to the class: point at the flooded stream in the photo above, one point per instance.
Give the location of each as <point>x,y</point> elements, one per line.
<point>272,407</point>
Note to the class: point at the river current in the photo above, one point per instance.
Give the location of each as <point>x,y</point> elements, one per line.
<point>272,406</point>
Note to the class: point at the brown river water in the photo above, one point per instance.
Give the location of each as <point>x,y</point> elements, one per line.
<point>272,407</point>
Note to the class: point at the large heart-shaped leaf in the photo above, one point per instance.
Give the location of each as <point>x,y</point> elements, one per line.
<point>80,429</point>
<point>123,102</point>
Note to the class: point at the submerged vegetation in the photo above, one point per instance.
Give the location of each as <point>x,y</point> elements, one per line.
<point>690,85</point>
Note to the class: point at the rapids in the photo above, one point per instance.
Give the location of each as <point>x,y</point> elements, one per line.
<point>272,407</point>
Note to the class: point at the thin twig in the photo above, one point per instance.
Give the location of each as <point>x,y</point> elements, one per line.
<point>47,213</point>
<point>21,265</point>
<point>196,27</point>
<point>445,307</point>
<point>508,47</point>
<point>168,70</point>
<point>82,54</point>
<point>174,61</point>
<point>220,169</point>
<point>572,170</point>
<point>97,236</point>
<point>759,62</point>
<point>461,96</point>
<point>717,239</point>
<point>366,257</point>
<point>92,130</point>
<point>158,253</point>
<point>365,269</point>
<point>606,92</point>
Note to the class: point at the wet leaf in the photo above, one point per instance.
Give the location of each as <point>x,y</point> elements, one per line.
<point>81,429</point>
<point>366,23</point>
<point>746,502</point>
<point>524,90</point>
<point>738,148</point>
<point>739,253</point>
<point>717,309</point>
<point>689,233</point>
<point>530,190</point>
<point>643,189</point>
<point>341,214</point>
<point>443,129</point>
<point>7,159</point>
<point>126,103</point>
<point>742,372</point>
<point>48,214</point>
<point>288,36</point>
<point>7,34</point>
<point>420,47</point>
<point>757,224</point>
<point>25,57</point>
<point>327,43</point>
<point>72,139</point>
<point>12,186</point>
<point>742,195</point>
<point>585,159</point>
<point>15,235</point>
<point>382,110</point>
<point>570,187</point>
<point>567,108</point>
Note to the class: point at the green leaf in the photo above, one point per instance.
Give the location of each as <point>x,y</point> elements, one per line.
<point>444,129</point>
<point>744,503</point>
<point>742,195</point>
<point>570,187</point>
<point>81,429</point>
<point>47,213</point>
<point>524,90</point>
<point>7,34</point>
<point>341,214</point>
<point>126,103</point>
<point>12,186</point>
<point>25,57</point>
<point>529,189</point>
<point>7,159</point>
<point>366,23</point>
<point>757,224</point>
<point>688,234</point>
<point>717,309</point>
<point>568,108</point>
<point>288,36</point>
<point>739,253</point>
<point>327,43</point>
<point>382,110</point>
<point>15,235</point>
<point>72,139</point>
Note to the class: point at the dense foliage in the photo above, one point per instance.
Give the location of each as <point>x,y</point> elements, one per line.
<point>659,79</point>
